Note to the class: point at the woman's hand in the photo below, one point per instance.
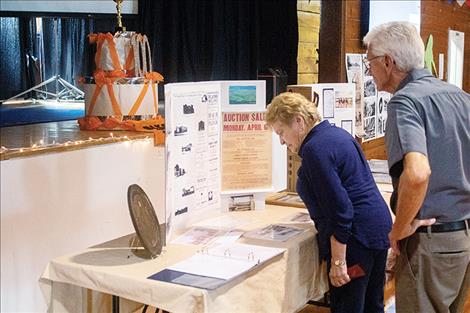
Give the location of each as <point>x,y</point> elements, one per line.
<point>339,270</point>
<point>339,275</point>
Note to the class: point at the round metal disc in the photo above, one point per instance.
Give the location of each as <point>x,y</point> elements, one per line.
<point>145,220</point>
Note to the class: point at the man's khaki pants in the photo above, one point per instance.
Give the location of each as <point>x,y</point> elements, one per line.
<point>432,273</point>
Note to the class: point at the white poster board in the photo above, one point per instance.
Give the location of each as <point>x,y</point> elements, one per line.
<point>335,102</point>
<point>194,114</point>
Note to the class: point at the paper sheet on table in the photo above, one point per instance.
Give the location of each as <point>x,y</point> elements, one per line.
<point>226,261</point>
<point>275,232</point>
<point>198,236</point>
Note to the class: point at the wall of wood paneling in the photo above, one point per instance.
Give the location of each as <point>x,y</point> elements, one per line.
<point>308,13</point>
<point>439,16</point>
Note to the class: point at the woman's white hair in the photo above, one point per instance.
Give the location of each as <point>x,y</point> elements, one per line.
<point>401,41</point>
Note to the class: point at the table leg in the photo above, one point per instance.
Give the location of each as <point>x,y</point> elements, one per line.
<point>115,304</point>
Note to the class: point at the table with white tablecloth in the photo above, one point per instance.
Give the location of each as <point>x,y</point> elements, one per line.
<point>73,283</point>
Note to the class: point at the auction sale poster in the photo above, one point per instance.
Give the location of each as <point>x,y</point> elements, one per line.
<point>246,152</point>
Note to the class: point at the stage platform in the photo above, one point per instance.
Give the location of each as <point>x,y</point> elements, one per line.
<point>33,139</point>
<point>22,112</point>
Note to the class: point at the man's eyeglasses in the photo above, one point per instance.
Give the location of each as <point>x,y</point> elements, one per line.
<point>366,62</point>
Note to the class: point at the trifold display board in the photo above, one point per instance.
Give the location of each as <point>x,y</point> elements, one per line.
<point>335,102</point>
<point>219,150</point>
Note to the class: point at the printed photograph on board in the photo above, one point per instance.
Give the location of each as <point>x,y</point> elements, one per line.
<point>369,87</point>
<point>369,107</point>
<point>242,203</point>
<point>369,128</point>
<point>242,95</point>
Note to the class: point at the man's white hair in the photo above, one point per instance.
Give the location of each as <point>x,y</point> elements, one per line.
<point>401,41</point>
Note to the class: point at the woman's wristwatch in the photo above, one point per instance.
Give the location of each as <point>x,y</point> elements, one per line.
<point>339,262</point>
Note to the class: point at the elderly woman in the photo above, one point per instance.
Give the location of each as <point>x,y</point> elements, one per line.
<point>336,185</point>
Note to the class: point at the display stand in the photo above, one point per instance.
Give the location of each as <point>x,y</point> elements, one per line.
<point>63,90</point>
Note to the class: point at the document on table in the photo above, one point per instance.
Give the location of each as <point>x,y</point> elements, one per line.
<point>212,267</point>
<point>275,232</point>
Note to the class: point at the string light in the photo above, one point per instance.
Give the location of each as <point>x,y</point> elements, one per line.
<point>41,146</point>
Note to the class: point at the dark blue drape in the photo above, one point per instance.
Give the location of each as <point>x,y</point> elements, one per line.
<point>14,76</point>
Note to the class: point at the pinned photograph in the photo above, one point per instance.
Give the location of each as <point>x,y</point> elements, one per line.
<point>353,60</point>
<point>380,130</point>
<point>369,107</point>
<point>381,105</point>
<point>369,128</point>
<point>358,118</point>
<point>369,87</point>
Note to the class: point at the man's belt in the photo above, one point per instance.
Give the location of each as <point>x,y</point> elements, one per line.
<point>444,227</point>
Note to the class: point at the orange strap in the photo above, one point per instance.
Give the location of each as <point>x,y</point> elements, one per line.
<point>130,60</point>
<point>99,47</point>
<point>153,78</point>
<point>113,52</point>
<point>101,80</point>
<point>93,100</point>
<point>138,102</point>
<point>114,103</point>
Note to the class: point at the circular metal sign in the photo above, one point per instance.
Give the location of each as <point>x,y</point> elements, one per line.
<point>145,220</point>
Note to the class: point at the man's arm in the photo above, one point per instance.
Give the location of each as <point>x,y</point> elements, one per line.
<point>411,192</point>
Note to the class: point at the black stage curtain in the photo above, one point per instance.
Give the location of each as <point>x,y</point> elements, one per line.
<point>195,40</point>
<point>191,40</point>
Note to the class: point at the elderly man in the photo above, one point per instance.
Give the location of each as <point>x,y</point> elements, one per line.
<point>428,146</point>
